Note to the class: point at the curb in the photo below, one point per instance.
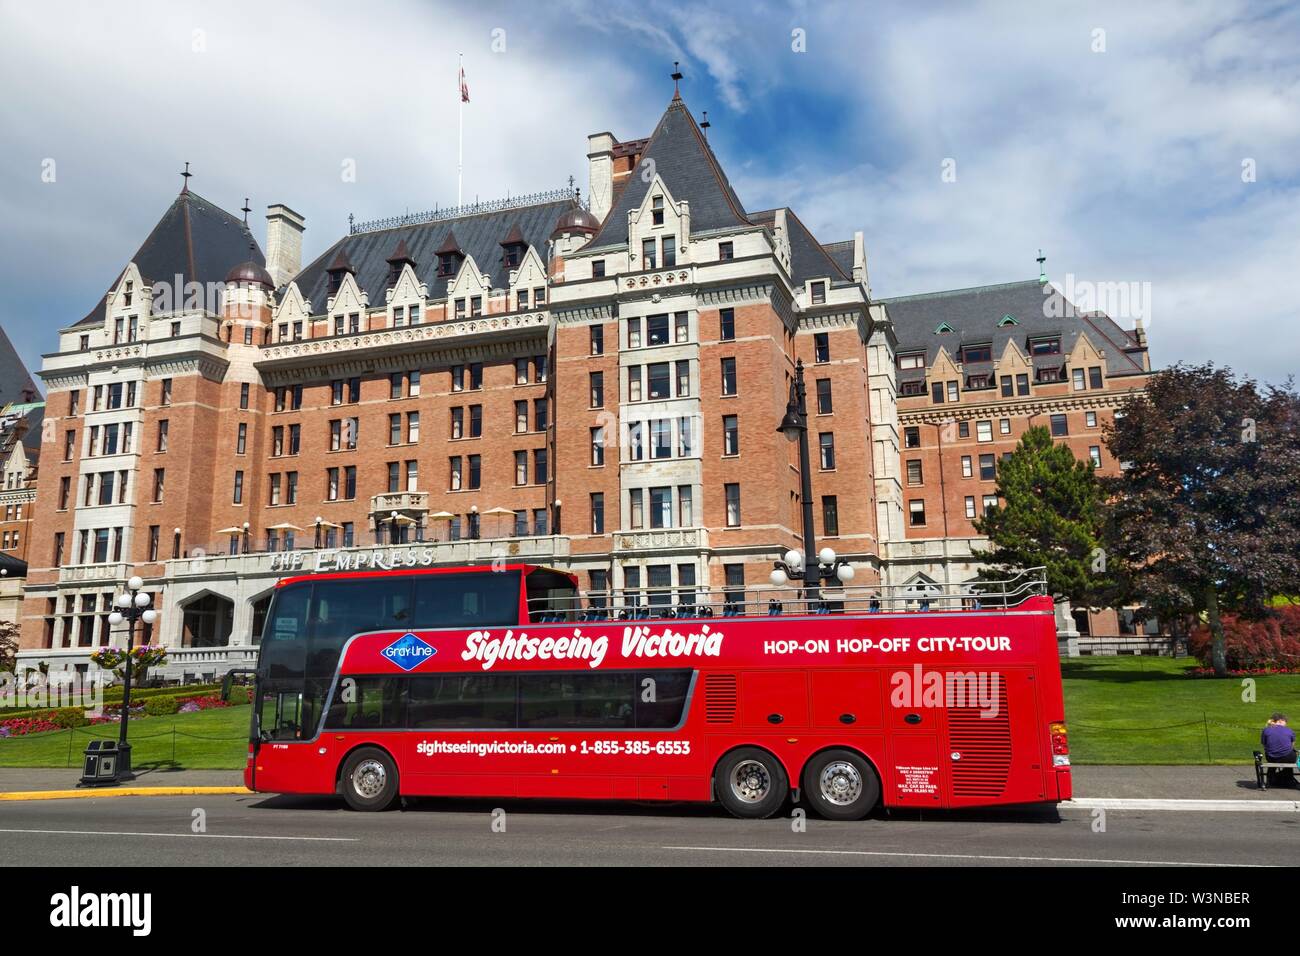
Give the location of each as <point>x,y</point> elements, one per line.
<point>92,792</point>
<point>1204,806</point>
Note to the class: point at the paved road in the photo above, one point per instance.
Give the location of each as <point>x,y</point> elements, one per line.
<point>278,831</point>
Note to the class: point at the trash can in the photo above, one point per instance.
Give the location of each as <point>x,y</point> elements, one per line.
<point>104,763</point>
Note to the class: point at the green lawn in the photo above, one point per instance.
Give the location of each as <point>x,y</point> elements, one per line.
<point>1120,710</point>
<point>214,739</point>
<point>1128,710</point>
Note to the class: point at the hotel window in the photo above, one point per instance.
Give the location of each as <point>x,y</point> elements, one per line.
<point>1045,346</point>
<point>984,431</point>
<point>413,427</point>
<point>521,371</point>
<point>106,488</point>
<point>659,380</point>
<point>295,439</point>
<point>539,521</point>
<point>635,448</point>
<point>936,393</point>
<point>454,468</point>
<point>521,417</point>
<point>726,252</point>
<point>826,444</point>
<point>394,477</point>
<point>539,296</point>
<point>540,466</point>
<point>596,381</point>
<point>830,515</point>
<point>539,414</point>
<point>110,439</point>
<point>457,422</point>
<point>728,376</point>
<point>988,468</point>
<point>661,507</point>
<point>475,421</point>
<point>277,441</point>
<point>1008,386</point>
<point>1076,376</point>
<point>656,330</point>
<point>1060,426</point>
<point>115,395</point>
<point>1022,384</point>
<point>597,513</point>
<point>657,211</point>
<point>1004,426</point>
<point>648,260</point>
<point>413,384</point>
<point>243,395</point>
<point>331,484</point>
<point>521,299</point>
<point>350,482</point>
<point>354,323</point>
<point>598,446</point>
<point>682,327</point>
<point>336,434</point>
<point>412,475</point>
<point>818,293</point>
<point>539,368</point>
<point>476,376</point>
<point>970,506</point>
<point>1094,377</point>
<point>458,378</point>
<point>521,468</point>
<point>824,404</point>
<point>733,505</point>
<point>70,443</point>
<point>670,252</point>
<point>158,475</point>
<point>238,496</point>
<point>274,497</point>
<point>83,343</point>
<point>395,385</point>
<point>977,353</point>
<point>163,425</point>
<point>598,269</point>
<point>911,360</point>
<point>291,487</point>
<point>822,347</point>
<point>336,392</point>
<point>730,435</point>
<point>394,429</point>
<point>634,383</point>
<point>914,471</point>
<point>661,436</point>
<point>989,503</point>
<point>1094,452</point>
<point>683,379</point>
<point>912,437</point>
<point>685,506</point>
<point>952,391</point>
<point>154,534</point>
<point>1050,373</point>
<point>338,325</point>
<point>597,340</point>
<point>636,508</point>
<point>916,513</point>
<point>65,492</point>
<point>280,394</point>
<point>297,331</point>
<point>727,324</point>
<point>1090,419</point>
<point>460,308</point>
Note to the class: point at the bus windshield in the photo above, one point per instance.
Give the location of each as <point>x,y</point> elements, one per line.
<point>309,622</point>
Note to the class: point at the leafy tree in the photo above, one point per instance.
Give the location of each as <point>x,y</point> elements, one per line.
<point>1205,513</point>
<point>1051,515</point>
<point>8,647</point>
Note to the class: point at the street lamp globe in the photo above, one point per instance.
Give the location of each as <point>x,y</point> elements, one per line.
<point>149,616</point>
<point>136,583</point>
<point>115,618</point>
<point>123,600</point>
<point>793,558</point>
<point>826,555</point>
<point>141,599</point>
<point>779,578</point>
<point>845,573</point>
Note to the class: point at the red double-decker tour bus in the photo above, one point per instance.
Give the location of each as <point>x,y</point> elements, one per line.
<point>507,682</point>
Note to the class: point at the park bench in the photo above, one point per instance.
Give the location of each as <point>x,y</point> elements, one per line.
<point>1262,766</point>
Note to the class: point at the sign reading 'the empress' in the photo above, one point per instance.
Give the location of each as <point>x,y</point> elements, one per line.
<point>376,559</point>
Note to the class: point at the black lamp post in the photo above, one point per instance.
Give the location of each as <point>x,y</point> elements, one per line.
<point>132,606</point>
<point>794,425</point>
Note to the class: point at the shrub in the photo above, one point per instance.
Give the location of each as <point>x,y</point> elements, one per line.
<point>161,705</point>
<point>239,695</point>
<point>66,717</point>
<point>1268,643</point>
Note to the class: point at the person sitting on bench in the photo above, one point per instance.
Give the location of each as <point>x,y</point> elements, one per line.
<point>1278,741</point>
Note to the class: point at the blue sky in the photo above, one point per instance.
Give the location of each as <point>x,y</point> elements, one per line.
<point>1151,145</point>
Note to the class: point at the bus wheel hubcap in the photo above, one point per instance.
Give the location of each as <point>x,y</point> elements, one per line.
<point>369,778</point>
<point>841,784</point>
<point>750,781</point>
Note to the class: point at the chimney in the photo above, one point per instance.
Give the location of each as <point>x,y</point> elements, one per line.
<point>283,243</point>
<point>600,186</point>
<point>860,263</point>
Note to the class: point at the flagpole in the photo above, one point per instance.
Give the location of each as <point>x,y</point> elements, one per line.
<point>460,139</point>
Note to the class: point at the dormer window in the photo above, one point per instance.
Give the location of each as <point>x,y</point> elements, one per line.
<point>512,257</point>
<point>126,296</point>
<point>657,211</point>
<point>522,297</point>
<point>648,258</point>
<point>726,252</point>
<point>818,290</point>
<point>449,256</point>
<point>977,353</point>
<point>1050,346</point>
<point>912,360</point>
<point>670,252</point>
<point>447,265</point>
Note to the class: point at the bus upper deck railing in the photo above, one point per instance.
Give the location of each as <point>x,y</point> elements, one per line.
<point>654,603</point>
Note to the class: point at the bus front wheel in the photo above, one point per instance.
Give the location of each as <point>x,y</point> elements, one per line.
<point>840,785</point>
<point>751,783</point>
<point>369,780</point>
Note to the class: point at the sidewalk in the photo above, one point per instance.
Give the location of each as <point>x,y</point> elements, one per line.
<point>15,779</point>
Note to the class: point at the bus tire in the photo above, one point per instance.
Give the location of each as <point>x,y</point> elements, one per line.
<point>369,779</point>
<point>841,785</point>
<point>751,783</point>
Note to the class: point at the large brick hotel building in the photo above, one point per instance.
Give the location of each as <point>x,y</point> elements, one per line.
<point>595,387</point>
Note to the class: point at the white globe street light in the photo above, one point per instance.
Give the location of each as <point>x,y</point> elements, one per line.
<point>136,583</point>
<point>826,555</point>
<point>845,573</point>
<point>115,618</point>
<point>779,578</point>
<point>793,559</point>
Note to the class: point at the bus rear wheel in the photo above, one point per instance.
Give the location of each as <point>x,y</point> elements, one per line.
<point>841,785</point>
<point>369,780</point>
<point>751,783</point>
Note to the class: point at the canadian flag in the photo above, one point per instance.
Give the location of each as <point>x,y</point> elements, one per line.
<point>464,89</point>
